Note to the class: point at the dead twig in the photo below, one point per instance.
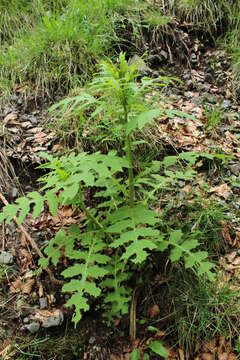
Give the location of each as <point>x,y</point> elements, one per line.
<point>33,244</point>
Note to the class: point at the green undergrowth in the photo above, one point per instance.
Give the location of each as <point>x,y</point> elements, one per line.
<point>62,47</point>
<point>52,47</point>
<point>64,346</point>
<point>201,311</point>
<point>22,15</point>
<point>131,211</point>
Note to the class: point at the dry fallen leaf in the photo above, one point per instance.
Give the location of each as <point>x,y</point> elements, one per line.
<point>27,286</point>
<point>232,356</point>
<point>210,345</point>
<point>223,356</point>
<point>40,290</point>
<point>222,190</point>
<point>207,356</point>
<point>154,311</point>
<point>10,119</point>
<point>225,233</point>
<point>181,354</point>
<point>15,286</point>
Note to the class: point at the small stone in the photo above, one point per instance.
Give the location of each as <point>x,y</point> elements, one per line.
<point>235,169</point>
<point>34,120</point>
<point>43,303</point>
<point>209,98</point>
<point>6,257</point>
<point>208,77</point>
<point>164,54</point>
<point>26,320</point>
<point>226,104</point>
<point>32,327</point>
<point>193,58</point>
<point>92,340</point>
<point>181,184</point>
<point>190,84</point>
<point>155,74</point>
<point>54,320</point>
<point>140,64</point>
<point>14,193</point>
<point>196,100</point>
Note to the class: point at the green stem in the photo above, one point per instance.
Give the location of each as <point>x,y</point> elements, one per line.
<point>87,212</point>
<point>128,146</point>
<point>90,216</point>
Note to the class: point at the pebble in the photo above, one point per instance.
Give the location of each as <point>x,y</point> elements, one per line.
<point>14,193</point>
<point>6,258</point>
<point>226,104</point>
<point>208,77</point>
<point>193,59</point>
<point>43,303</point>
<point>209,98</point>
<point>92,340</point>
<point>196,100</point>
<point>164,54</point>
<point>235,169</point>
<point>32,327</point>
<point>55,320</point>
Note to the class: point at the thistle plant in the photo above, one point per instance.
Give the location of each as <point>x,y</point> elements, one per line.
<point>119,233</point>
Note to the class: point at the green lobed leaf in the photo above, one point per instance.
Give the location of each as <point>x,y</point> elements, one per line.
<point>38,203</point>
<point>157,347</point>
<point>52,202</point>
<point>135,354</point>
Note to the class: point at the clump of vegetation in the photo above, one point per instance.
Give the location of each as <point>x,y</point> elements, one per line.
<point>202,310</point>
<point>214,118</point>
<point>123,221</point>
<point>63,41</point>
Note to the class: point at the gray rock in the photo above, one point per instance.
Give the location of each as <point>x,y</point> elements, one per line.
<point>164,54</point>
<point>155,74</point>
<point>14,193</point>
<point>193,59</point>
<point>6,257</point>
<point>181,184</point>
<point>204,87</point>
<point>196,100</point>
<point>208,77</point>
<point>209,98</point>
<point>34,120</point>
<point>43,303</point>
<point>226,104</point>
<point>32,327</point>
<point>140,64</point>
<point>55,320</point>
<point>92,340</point>
<point>235,169</point>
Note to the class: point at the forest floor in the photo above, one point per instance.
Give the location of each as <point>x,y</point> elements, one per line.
<point>194,321</point>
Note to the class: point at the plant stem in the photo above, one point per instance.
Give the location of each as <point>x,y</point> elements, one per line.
<point>87,212</point>
<point>129,158</point>
<point>90,216</point>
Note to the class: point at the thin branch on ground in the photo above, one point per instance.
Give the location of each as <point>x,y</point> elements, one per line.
<point>33,244</point>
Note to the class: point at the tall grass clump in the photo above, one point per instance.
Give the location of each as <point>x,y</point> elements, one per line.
<point>62,47</point>
<point>21,15</point>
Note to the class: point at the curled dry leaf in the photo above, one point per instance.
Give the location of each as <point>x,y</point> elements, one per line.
<point>10,119</point>
<point>181,354</point>
<point>222,190</point>
<point>207,356</point>
<point>154,311</point>
<point>15,286</point>
<point>27,286</point>
<point>210,345</point>
<point>225,233</point>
